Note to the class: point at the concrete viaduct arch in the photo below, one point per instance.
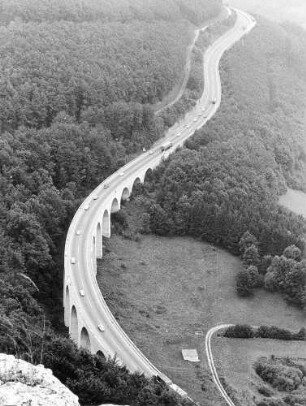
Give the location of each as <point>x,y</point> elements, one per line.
<point>85,340</point>
<point>84,336</point>
<point>74,330</point>
<point>91,324</point>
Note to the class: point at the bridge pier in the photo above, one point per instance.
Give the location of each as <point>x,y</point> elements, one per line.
<point>98,242</point>
<point>106,224</point>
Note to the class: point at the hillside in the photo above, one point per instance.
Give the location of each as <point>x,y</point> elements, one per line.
<point>78,80</point>
<point>228,178</point>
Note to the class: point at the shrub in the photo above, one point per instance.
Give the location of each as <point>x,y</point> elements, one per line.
<point>274,333</point>
<point>239,331</point>
<point>301,335</point>
<point>247,280</point>
<point>271,402</point>
<point>266,391</point>
<point>282,377</point>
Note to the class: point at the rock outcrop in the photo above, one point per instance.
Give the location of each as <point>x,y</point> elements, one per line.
<point>22,383</point>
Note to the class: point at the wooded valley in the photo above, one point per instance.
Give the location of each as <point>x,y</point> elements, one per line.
<point>79,82</point>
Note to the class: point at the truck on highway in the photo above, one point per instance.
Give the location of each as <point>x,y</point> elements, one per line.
<point>166,146</point>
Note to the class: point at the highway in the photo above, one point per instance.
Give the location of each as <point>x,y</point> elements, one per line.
<point>81,275</point>
<point>224,14</point>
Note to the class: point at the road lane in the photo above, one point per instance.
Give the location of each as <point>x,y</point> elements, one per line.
<point>92,309</point>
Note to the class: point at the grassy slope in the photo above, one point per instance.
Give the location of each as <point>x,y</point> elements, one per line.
<point>235,358</point>
<point>162,290</point>
<point>294,200</point>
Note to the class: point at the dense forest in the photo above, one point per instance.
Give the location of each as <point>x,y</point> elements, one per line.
<point>227,179</point>
<point>195,11</point>
<point>78,84</point>
<point>79,80</point>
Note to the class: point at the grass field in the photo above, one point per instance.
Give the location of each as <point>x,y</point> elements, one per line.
<point>162,290</point>
<point>235,358</point>
<point>294,200</point>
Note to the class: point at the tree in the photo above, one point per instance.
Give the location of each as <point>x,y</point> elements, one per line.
<point>246,241</point>
<point>250,256</point>
<point>293,252</point>
<point>243,283</point>
<point>255,279</point>
<point>160,223</point>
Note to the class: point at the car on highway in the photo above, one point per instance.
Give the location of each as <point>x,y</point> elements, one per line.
<point>101,327</point>
<point>121,173</point>
<point>73,260</point>
<point>166,146</point>
<point>106,186</point>
<point>81,292</point>
<point>151,152</point>
<point>214,101</point>
<point>96,197</point>
<point>86,207</point>
<point>78,232</point>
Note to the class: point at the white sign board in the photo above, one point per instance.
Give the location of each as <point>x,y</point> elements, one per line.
<point>190,355</point>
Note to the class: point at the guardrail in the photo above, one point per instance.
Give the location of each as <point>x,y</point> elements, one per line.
<point>144,365</point>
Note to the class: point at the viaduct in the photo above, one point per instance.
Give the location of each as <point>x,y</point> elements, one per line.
<point>91,324</point>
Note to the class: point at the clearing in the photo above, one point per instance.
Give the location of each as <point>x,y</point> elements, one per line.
<point>162,290</point>
<point>235,358</point>
<point>294,200</point>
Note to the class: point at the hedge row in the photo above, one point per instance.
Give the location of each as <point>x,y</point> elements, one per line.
<point>247,331</point>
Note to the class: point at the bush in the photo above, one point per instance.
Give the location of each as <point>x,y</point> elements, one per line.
<point>301,335</point>
<point>266,391</point>
<point>274,333</point>
<point>119,221</point>
<point>282,377</point>
<point>239,331</point>
<point>271,402</point>
<point>247,280</point>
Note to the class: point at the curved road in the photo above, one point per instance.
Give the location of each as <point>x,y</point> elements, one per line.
<point>224,14</point>
<point>92,309</point>
<point>212,364</point>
